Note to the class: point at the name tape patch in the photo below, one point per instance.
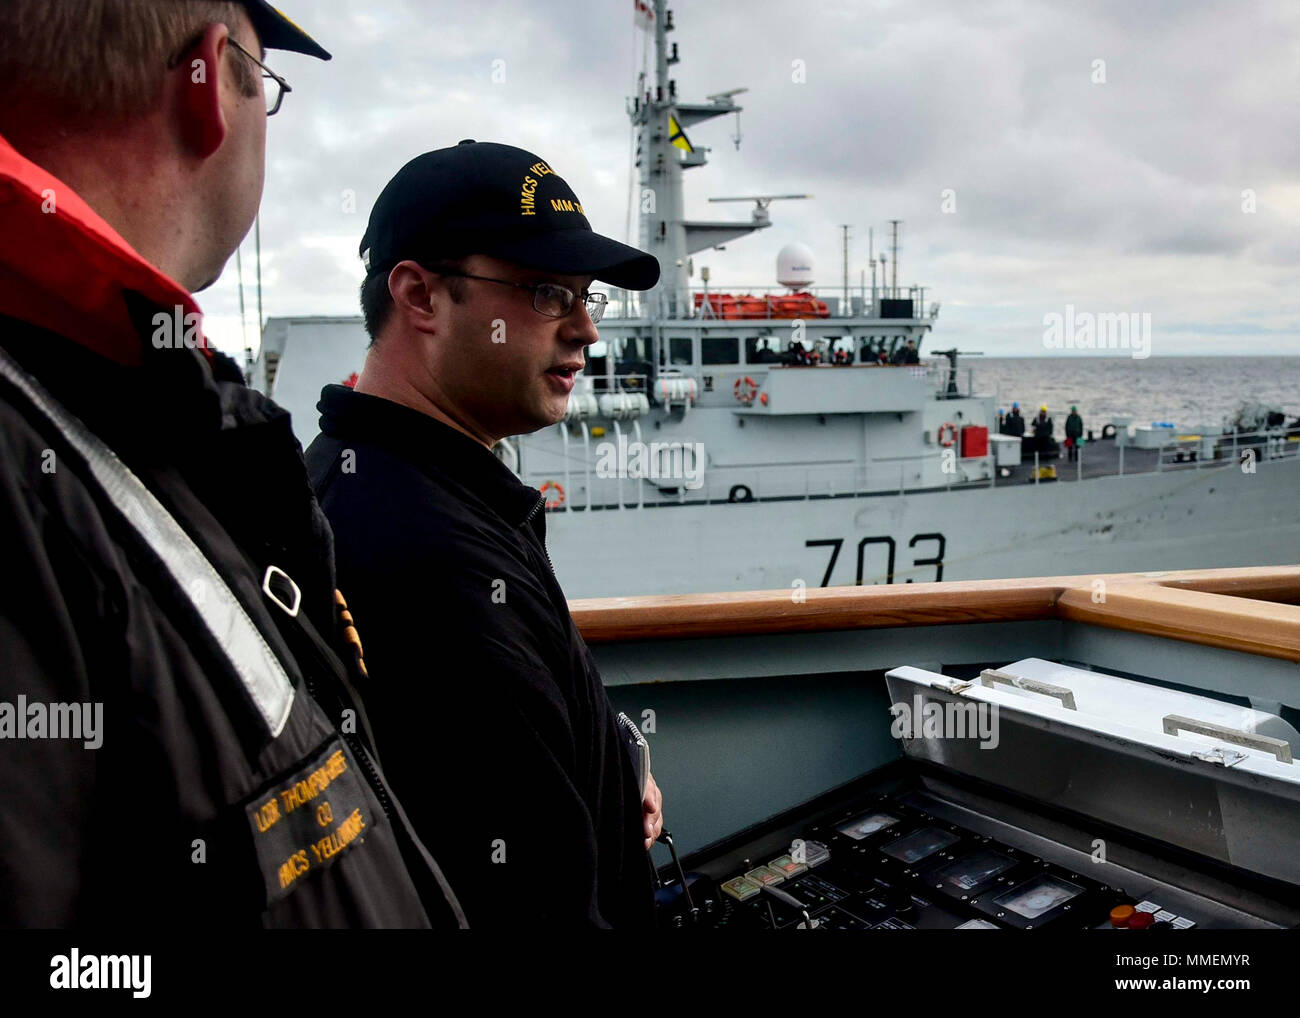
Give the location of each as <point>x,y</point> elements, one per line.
<point>307,821</point>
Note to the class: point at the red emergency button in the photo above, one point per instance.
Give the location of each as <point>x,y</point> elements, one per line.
<point>1120,915</point>
<point>1140,921</point>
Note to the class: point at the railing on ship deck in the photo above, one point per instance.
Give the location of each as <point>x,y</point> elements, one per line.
<point>1260,613</point>
<point>1261,446</point>
<point>934,372</point>
<point>856,303</point>
<point>903,475</point>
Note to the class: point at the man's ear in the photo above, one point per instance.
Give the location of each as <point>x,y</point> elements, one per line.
<point>413,296</point>
<point>202,123</point>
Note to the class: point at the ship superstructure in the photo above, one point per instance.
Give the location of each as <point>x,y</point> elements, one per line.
<point>793,435</point>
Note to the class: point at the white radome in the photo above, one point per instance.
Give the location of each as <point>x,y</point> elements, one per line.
<point>794,266</point>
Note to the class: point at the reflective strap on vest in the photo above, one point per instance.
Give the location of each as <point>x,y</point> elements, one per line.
<point>231,628</point>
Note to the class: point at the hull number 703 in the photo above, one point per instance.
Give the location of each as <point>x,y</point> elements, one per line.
<point>837,543</point>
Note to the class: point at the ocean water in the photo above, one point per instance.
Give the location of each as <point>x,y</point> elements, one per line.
<point>1188,391</point>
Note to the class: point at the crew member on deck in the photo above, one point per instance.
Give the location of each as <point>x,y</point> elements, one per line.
<point>496,727</point>
<point>1014,424</point>
<point>1043,443</point>
<point>911,355</point>
<point>1073,433</point>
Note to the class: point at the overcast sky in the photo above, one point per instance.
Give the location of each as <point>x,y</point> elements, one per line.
<point>1117,196</point>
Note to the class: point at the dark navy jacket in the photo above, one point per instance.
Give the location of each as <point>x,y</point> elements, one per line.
<point>495,724</point>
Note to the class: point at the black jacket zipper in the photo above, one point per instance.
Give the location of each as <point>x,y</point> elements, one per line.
<point>528,520</point>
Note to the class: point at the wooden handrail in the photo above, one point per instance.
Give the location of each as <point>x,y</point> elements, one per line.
<point>1254,609</point>
<point>1193,616</point>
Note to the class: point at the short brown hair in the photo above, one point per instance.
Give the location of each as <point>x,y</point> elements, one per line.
<point>377,303</point>
<point>101,59</point>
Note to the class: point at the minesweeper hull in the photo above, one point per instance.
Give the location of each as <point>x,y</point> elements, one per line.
<point>1177,519</point>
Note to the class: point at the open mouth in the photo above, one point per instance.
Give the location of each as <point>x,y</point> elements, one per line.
<point>565,371</point>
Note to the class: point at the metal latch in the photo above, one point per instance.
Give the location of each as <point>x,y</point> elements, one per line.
<point>1280,748</point>
<point>1222,757</point>
<point>290,610</point>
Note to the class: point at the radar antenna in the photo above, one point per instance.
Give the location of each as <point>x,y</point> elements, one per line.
<point>762,201</point>
<point>722,99</point>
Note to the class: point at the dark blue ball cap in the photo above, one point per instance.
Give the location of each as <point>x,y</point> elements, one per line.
<point>276,31</point>
<point>479,197</point>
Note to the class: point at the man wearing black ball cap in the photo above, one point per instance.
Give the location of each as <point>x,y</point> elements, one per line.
<point>497,731</point>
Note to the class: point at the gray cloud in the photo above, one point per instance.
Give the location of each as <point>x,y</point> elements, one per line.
<point>1125,195</point>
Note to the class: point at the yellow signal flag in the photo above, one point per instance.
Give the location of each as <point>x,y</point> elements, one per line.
<point>677,136</point>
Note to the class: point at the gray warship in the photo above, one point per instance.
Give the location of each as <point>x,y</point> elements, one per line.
<point>780,438</point>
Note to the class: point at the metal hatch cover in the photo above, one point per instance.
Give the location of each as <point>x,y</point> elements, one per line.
<point>1209,776</point>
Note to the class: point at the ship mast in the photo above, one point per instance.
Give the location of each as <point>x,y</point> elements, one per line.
<point>663,152</point>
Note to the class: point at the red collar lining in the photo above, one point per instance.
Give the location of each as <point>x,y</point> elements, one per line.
<point>66,269</point>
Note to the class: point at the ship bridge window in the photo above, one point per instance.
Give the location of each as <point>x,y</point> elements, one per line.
<point>875,349</point>
<point>596,358</point>
<point>679,351</point>
<point>762,350</point>
<point>631,360</point>
<point>630,353</point>
<point>720,350</point>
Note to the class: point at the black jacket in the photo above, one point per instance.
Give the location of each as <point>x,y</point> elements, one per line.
<point>1074,426</point>
<point>196,809</point>
<point>493,718</point>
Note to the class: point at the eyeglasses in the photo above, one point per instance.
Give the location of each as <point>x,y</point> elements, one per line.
<point>276,86</point>
<point>550,299</point>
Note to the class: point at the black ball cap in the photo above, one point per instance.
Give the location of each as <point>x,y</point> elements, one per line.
<point>479,197</point>
<point>277,32</point>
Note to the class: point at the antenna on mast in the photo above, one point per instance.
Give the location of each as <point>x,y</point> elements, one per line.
<point>871,260</point>
<point>893,259</point>
<point>845,265</point>
<point>762,201</point>
<point>721,98</point>
<point>662,121</point>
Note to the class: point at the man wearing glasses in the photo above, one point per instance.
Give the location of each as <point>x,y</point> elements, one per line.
<point>495,724</point>
<point>179,745</point>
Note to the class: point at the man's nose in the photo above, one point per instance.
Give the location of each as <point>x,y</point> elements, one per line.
<point>578,326</point>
